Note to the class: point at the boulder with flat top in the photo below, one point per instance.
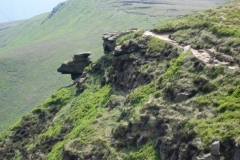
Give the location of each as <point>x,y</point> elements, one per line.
<point>76,66</point>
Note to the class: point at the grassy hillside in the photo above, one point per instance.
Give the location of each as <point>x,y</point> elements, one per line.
<point>131,109</point>
<point>31,51</point>
<point>94,124</point>
<point>9,24</point>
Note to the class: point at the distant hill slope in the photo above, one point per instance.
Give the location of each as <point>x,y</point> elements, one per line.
<point>163,8</point>
<point>31,52</point>
<point>145,99</point>
<point>9,24</point>
<point>22,9</point>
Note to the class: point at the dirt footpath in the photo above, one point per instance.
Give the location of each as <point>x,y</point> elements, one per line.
<point>204,55</point>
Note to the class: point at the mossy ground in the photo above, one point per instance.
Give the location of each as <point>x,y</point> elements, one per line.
<point>224,126</point>
<point>126,37</point>
<point>147,152</point>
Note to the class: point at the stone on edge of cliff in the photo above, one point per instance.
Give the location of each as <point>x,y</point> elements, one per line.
<point>181,97</point>
<point>215,150</point>
<point>203,157</point>
<point>81,55</point>
<point>117,51</point>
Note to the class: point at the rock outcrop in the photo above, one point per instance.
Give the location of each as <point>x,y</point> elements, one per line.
<point>56,9</point>
<point>236,153</point>
<point>76,66</point>
<point>125,74</point>
<point>110,39</point>
<point>130,47</point>
<point>182,97</point>
<point>125,62</point>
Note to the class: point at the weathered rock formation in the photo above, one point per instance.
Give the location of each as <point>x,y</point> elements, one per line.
<point>110,39</point>
<point>125,73</point>
<point>130,47</point>
<point>57,8</point>
<point>76,66</point>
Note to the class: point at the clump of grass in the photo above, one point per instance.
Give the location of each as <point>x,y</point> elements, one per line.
<point>231,102</point>
<point>7,131</point>
<point>160,49</point>
<point>156,45</point>
<point>172,71</point>
<point>88,68</point>
<point>141,94</point>
<point>225,126</point>
<point>215,71</point>
<point>83,114</point>
<point>129,36</point>
<point>146,152</point>
<point>60,97</point>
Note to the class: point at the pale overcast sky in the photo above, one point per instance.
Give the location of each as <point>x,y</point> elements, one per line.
<point>11,10</point>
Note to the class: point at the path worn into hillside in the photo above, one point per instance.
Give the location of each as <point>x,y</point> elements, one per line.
<point>207,56</point>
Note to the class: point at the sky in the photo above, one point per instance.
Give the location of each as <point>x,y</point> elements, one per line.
<point>11,10</point>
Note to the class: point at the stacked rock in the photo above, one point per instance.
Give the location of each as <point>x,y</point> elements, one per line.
<point>76,66</point>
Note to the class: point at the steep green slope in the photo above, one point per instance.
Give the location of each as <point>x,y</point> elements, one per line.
<point>90,124</point>
<point>147,100</point>
<point>9,24</point>
<point>30,52</point>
